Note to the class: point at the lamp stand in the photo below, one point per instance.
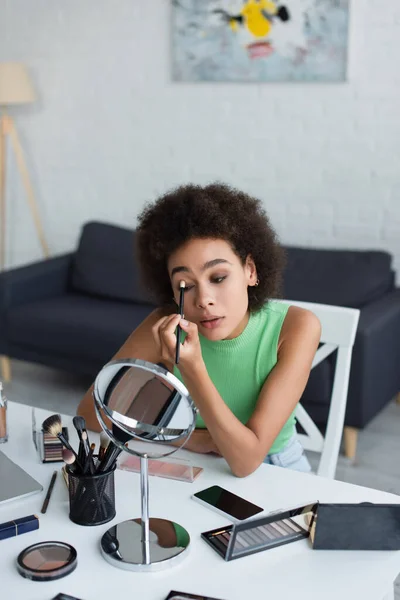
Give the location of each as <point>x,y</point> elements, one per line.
<point>8,130</point>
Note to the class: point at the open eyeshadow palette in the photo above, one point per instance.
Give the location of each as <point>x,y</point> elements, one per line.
<point>363,526</point>
<point>49,447</point>
<point>256,535</point>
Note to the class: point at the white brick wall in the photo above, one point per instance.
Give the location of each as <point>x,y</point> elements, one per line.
<point>111,130</point>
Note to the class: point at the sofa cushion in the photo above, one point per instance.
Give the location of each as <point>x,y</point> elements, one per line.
<point>105,264</point>
<point>341,277</point>
<point>75,325</point>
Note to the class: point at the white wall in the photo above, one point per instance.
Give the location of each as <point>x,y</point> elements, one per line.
<point>111,131</point>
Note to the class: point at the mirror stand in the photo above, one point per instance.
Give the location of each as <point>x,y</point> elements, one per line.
<point>147,403</point>
<point>146,544</point>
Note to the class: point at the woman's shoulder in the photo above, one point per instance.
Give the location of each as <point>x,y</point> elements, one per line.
<point>294,316</point>
<point>300,323</point>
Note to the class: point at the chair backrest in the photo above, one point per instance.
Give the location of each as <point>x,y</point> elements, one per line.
<point>339,326</point>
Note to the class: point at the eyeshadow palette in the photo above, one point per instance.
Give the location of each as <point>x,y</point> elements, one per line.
<point>235,541</point>
<point>47,561</point>
<point>49,447</point>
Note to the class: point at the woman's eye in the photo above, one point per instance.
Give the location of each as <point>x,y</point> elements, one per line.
<point>218,279</point>
<point>186,288</point>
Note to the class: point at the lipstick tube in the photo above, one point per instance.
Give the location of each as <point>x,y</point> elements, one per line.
<point>19,526</point>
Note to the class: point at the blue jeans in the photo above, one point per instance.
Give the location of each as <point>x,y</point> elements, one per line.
<point>291,457</point>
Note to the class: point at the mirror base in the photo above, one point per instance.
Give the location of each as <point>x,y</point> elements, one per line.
<point>121,545</point>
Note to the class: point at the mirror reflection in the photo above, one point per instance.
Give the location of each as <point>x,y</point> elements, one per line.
<point>145,401</point>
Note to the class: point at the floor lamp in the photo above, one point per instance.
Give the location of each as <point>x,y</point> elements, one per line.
<point>15,88</point>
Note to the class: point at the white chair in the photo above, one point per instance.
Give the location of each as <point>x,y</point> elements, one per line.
<point>339,326</point>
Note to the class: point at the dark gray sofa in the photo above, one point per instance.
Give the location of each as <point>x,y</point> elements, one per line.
<point>74,311</point>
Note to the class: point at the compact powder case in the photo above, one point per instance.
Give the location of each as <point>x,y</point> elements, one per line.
<point>47,561</point>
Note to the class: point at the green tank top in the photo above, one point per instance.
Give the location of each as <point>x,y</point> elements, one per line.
<point>239,367</point>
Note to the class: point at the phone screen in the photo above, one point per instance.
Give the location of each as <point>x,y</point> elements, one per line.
<point>229,503</point>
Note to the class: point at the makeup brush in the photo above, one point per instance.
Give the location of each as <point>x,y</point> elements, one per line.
<point>178,329</point>
<point>112,452</point>
<point>52,425</point>
<point>80,426</point>
<point>104,441</point>
<point>89,464</point>
<point>68,457</point>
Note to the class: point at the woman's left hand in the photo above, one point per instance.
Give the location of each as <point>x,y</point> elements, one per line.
<point>165,337</point>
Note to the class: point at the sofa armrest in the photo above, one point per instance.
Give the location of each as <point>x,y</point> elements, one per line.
<point>375,373</point>
<point>36,281</point>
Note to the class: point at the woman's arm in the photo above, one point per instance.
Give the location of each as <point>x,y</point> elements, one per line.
<point>141,344</point>
<point>245,446</point>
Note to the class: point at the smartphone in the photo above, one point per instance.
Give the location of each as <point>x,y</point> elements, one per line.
<point>227,504</point>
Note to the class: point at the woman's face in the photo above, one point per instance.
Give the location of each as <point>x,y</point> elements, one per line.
<point>216,285</point>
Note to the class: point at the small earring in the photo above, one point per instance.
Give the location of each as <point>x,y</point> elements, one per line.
<point>256,283</point>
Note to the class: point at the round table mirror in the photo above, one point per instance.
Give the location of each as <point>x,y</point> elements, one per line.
<point>140,401</point>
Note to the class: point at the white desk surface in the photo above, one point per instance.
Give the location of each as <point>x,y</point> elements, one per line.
<point>290,571</point>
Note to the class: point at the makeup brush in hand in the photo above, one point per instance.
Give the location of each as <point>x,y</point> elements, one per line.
<point>52,425</point>
<point>178,329</point>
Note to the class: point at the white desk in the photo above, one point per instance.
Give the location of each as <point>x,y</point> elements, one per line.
<point>290,571</point>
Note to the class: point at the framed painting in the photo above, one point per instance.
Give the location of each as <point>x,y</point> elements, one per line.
<point>260,40</point>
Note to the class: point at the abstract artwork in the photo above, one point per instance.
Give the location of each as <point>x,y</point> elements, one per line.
<point>260,40</point>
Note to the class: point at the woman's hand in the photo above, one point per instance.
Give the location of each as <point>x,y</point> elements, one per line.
<point>165,337</point>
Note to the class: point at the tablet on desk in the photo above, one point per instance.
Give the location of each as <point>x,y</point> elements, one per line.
<point>14,481</point>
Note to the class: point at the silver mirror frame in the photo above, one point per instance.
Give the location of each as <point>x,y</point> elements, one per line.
<point>135,546</point>
<point>125,423</point>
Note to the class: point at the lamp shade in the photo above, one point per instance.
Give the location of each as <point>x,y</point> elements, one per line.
<point>15,84</point>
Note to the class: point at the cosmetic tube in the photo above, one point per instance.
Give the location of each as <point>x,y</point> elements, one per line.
<point>3,416</point>
<point>19,526</point>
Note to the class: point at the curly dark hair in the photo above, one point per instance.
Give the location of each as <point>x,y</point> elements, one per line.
<point>213,211</point>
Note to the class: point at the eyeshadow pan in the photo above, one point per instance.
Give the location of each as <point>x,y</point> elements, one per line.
<point>254,540</point>
<point>278,529</point>
<point>290,530</point>
<point>275,534</point>
<point>265,530</point>
<point>242,540</point>
<point>220,538</point>
<point>264,536</point>
<point>239,545</point>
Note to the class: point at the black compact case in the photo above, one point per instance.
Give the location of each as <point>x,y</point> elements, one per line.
<point>362,526</point>
<point>256,535</point>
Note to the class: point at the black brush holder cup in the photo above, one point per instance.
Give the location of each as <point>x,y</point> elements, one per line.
<point>91,498</point>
